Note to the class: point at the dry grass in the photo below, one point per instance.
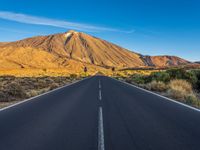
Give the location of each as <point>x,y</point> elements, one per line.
<point>183,91</point>
<point>179,89</point>
<point>54,72</point>
<point>177,85</point>
<point>59,72</point>
<point>157,86</point>
<point>36,92</point>
<point>19,88</point>
<point>128,73</point>
<point>54,86</point>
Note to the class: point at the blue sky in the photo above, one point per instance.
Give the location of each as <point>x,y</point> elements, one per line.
<point>150,27</point>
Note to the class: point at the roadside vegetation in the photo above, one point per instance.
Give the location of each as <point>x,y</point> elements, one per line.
<point>14,89</point>
<point>178,83</point>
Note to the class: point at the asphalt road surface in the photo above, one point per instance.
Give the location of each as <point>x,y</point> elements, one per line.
<point>99,113</point>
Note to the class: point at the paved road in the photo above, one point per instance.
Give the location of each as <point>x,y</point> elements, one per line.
<point>99,113</point>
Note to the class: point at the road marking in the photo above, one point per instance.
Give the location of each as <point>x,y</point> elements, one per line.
<point>101,145</point>
<point>99,84</point>
<point>100,96</point>
<point>32,98</point>
<point>166,98</point>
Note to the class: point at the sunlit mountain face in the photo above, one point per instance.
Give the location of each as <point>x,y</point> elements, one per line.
<point>75,49</point>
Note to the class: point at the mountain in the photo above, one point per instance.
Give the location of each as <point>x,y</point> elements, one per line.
<point>198,62</point>
<point>72,49</point>
<point>165,61</point>
<point>2,43</point>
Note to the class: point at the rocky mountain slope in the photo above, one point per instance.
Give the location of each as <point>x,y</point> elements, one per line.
<point>75,48</point>
<point>164,61</point>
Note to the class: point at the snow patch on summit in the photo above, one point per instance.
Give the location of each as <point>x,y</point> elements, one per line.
<point>67,35</point>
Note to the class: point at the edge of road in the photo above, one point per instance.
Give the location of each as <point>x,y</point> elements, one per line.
<point>32,98</point>
<point>166,98</point>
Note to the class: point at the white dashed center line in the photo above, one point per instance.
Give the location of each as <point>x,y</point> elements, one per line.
<point>100,96</point>
<point>101,145</point>
<point>99,84</point>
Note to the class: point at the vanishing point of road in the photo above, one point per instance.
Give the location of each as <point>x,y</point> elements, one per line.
<point>99,113</point>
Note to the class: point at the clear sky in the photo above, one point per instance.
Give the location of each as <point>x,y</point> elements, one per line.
<point>150,27</point>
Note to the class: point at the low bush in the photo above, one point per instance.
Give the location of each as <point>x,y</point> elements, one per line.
<point>12,92</point>
<point>176,93</point>
<point>54,86</point>
<point>177,73</point>
<point>73,76</point>
<point>179,84</point>
<point>157,86</point>
<point>161,76</point>
<point>197,74</point>
<point>18,88</point>
<point>191,99</point>
<point>3,96</point>
<point>138,79</point>
<point>128,80</point>
<point>33,93</point>
<point>181,73</point>
<point>183,91</point>
<point>15,90</point>
<point>1,85</point>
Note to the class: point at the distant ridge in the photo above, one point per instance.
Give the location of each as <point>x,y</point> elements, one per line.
<point>75,48</point>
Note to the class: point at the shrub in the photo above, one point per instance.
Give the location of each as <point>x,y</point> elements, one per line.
<point>11,92</point>
<point>176,93</point>
<point>54,86</point>
<point>15,90</point>
<point>18,88</point>
<point>191,77</point>
<point>161,76</point>
<point>1,85</point>
<point>181,73</point>
<point>197,74</point>
<point>177,73</point>
<point>128,80</point>
<point>182,90</point>
<point>137,78</point>
<point>181,84</point>
<point>191,99</point>
<point>33,93</point>
<point>157,86</point>
<point>41,83</point>
<point>3,96</point>
<point>73,76</point>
